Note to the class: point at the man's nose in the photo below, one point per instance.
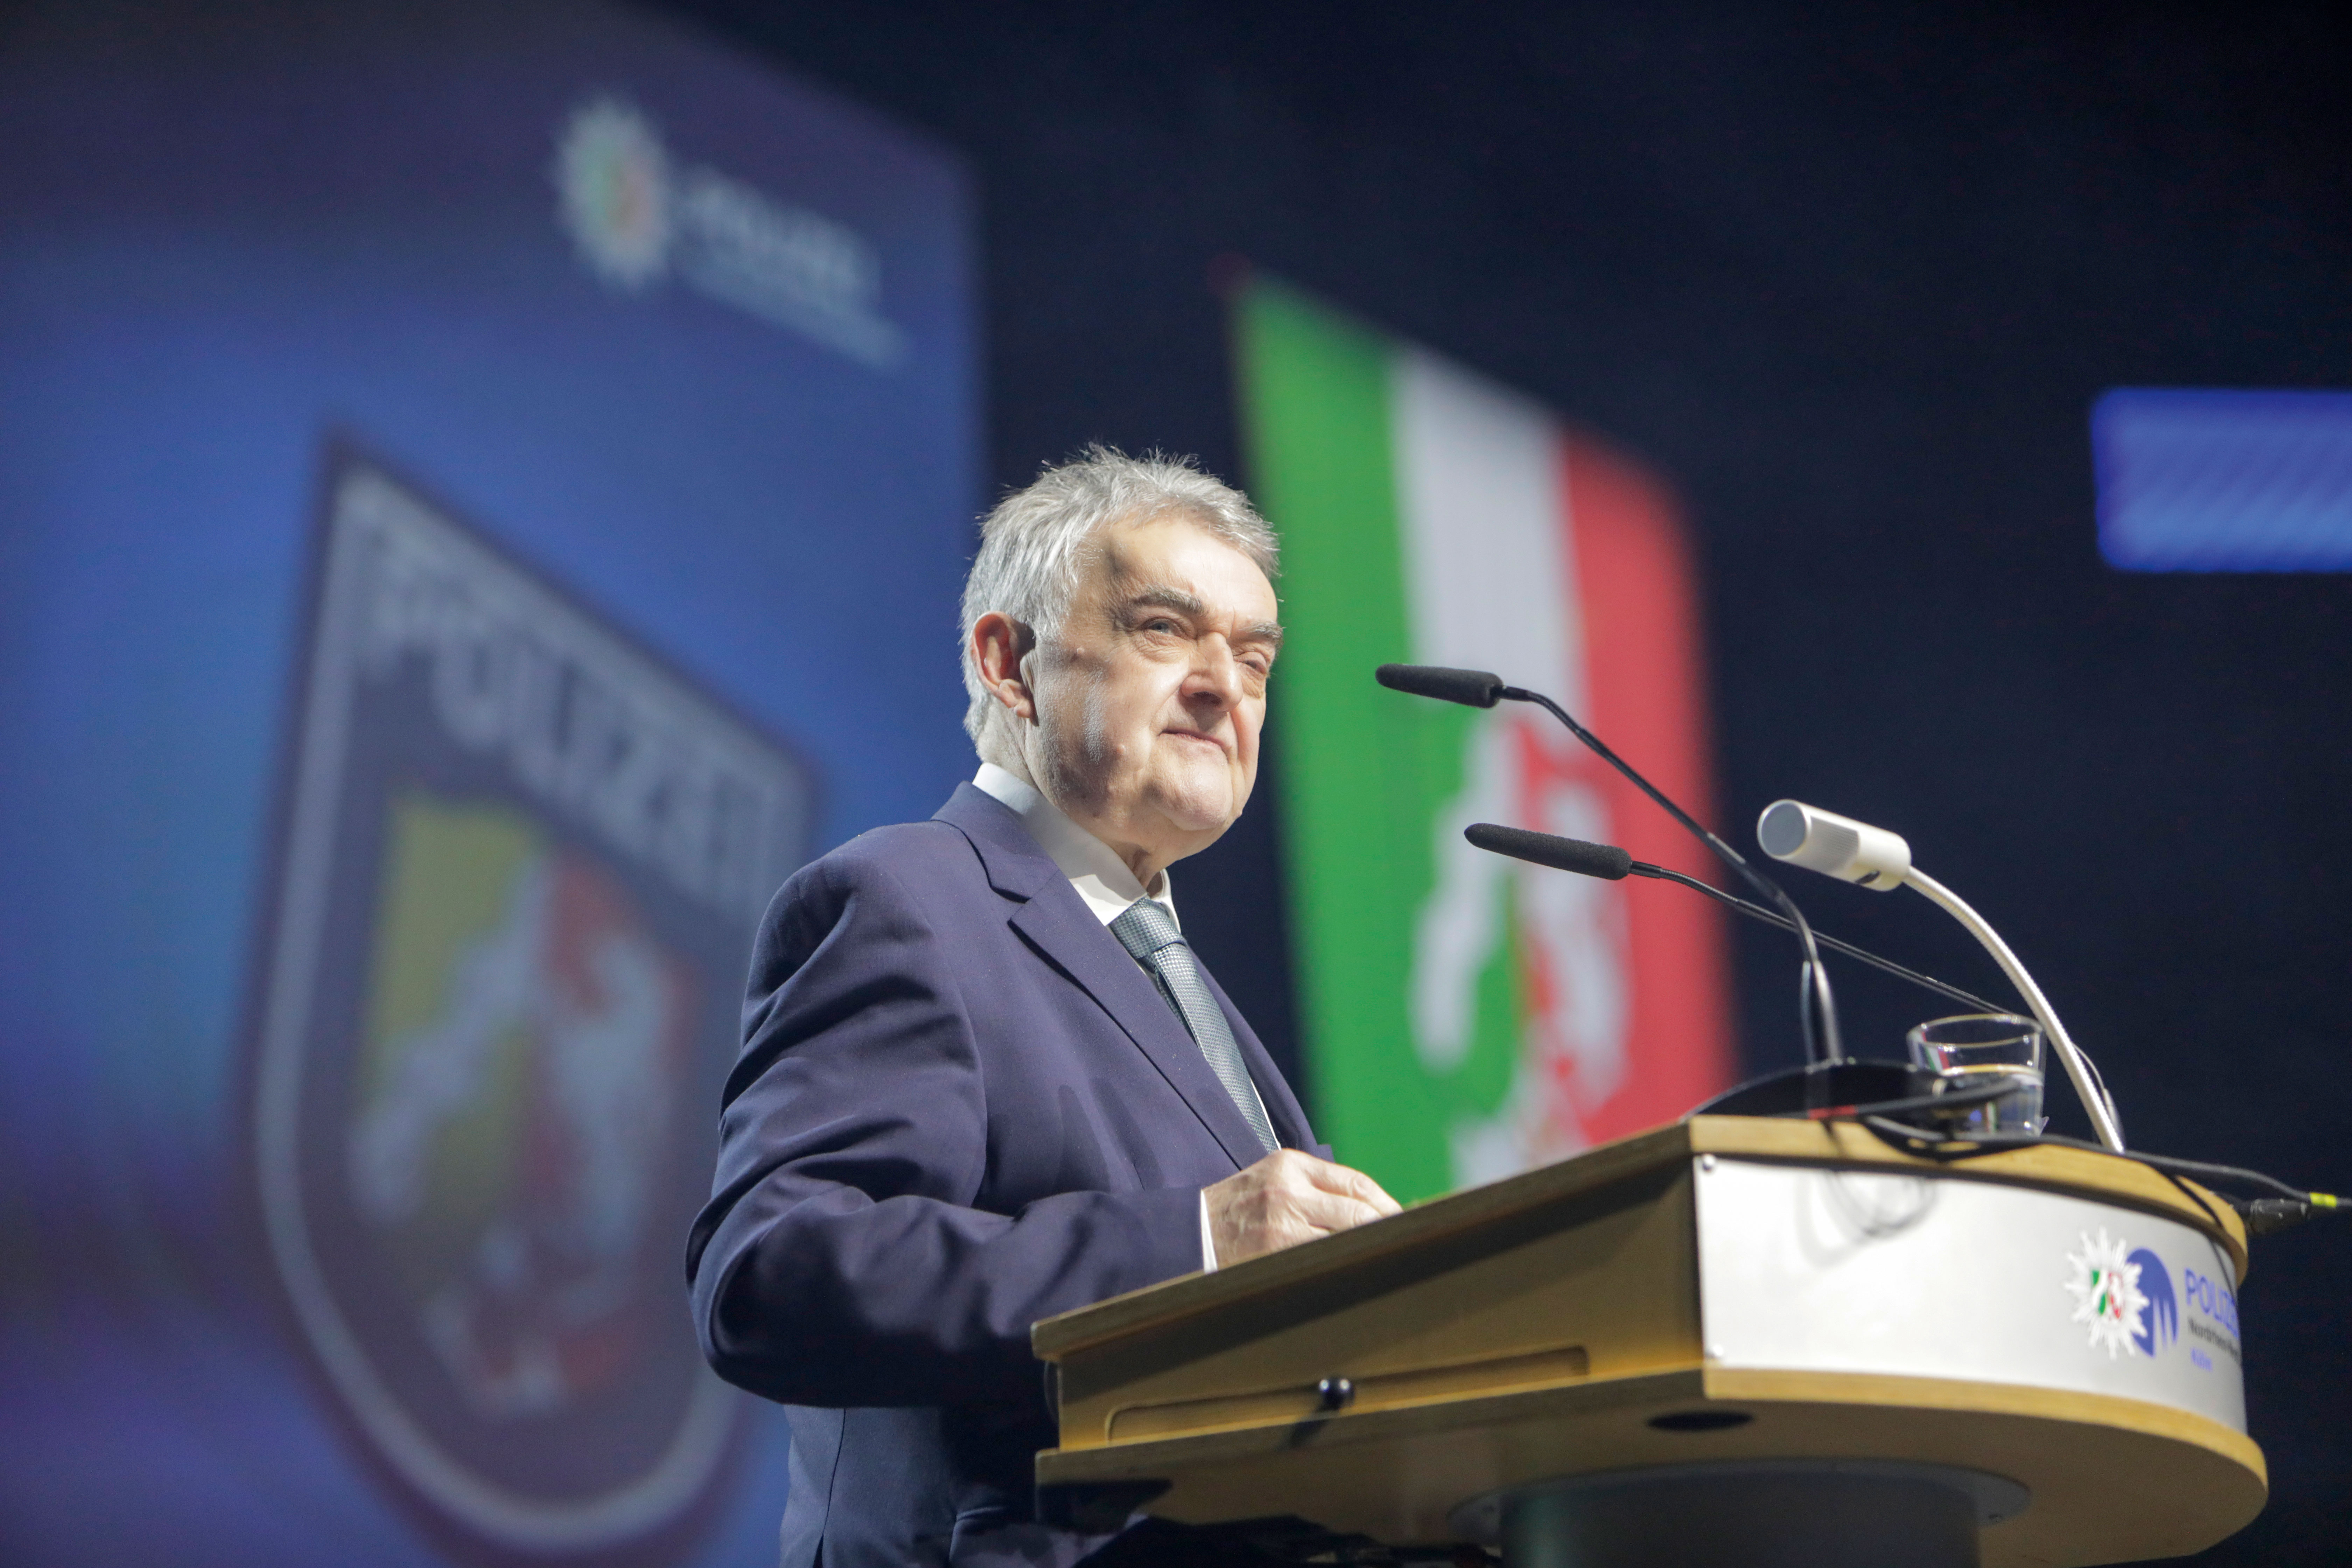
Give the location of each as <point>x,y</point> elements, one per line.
<point>1216,674</point>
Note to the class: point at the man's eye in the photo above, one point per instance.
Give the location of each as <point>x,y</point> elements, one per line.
<point>1160,624</point>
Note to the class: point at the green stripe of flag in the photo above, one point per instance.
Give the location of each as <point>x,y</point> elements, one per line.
<point>1362,770</point>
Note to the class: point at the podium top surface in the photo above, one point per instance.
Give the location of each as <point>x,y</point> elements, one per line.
<point>2107,1178</point>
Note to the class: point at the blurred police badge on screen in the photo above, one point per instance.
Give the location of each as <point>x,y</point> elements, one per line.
<point>519,863</point>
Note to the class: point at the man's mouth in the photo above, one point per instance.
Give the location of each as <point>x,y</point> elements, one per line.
<point>1205,740</point>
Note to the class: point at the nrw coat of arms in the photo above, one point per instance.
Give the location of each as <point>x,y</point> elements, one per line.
<point>2105,1283</point>
<point>520,862</point>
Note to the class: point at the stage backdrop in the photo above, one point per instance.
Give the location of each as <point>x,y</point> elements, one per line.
<point>483,490</point>
<point>1467,1017</point>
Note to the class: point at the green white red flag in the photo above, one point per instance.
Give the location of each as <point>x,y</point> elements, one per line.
<point>1468,1017</point>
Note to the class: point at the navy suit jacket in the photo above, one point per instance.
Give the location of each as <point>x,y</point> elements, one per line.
<point>961,1107</point>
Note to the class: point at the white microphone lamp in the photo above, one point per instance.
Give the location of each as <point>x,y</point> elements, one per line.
<point>1834,845</point>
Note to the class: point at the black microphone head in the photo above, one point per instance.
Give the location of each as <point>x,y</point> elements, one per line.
<point>1605,861</point>
<point>1471,688</point>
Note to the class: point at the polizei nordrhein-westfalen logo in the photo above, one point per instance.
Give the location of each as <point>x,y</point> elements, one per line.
<point>519,863</point>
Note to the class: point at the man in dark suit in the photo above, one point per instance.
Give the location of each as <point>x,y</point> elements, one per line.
<point>984,1078</point>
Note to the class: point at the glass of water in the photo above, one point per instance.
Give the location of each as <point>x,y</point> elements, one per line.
<point>1974,1046</point>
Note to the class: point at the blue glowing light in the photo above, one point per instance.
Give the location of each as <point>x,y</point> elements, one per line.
<point>2223,481</point>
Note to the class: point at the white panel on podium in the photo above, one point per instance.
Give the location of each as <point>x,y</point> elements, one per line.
<point>1814,1269</point>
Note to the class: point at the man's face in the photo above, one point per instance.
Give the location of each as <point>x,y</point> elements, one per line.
<point>1151,702</point>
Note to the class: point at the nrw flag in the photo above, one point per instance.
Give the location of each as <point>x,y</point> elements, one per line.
<point>1468,1017</point>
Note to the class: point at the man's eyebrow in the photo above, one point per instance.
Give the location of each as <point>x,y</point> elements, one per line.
<point>1184,604</point>
<point>1167,598</point>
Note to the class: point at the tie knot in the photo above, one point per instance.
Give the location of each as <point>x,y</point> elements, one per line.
<point>1145,927</point>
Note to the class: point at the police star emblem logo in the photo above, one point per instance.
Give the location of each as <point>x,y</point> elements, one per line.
<point>2104,1282</point>
<point>519,863</point>
<point>613,187</point>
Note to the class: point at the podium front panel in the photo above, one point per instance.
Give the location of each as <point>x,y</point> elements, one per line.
<point>1805,1268</point>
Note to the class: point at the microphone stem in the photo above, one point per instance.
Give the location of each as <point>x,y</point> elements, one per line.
<point>2084,1076</point>
<point>1773,918</point>
<point>1816,1009</point>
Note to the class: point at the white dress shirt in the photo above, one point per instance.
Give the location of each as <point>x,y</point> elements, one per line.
<point>1101,878</point>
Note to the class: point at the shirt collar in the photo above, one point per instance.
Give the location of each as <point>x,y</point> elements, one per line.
<point>1092,866</point>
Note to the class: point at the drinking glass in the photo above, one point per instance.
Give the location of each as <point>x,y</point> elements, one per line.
<point>1973,1046</point>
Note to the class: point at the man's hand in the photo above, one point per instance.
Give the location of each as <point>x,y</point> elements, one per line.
<point>1286,1198</point>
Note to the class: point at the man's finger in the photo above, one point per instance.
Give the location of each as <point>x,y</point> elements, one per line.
<point>1375,1194</point>
<point>1354,1183</point>
<point>1328,1211</point>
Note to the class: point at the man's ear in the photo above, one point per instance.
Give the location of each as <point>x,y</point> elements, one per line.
<point>998,643</point>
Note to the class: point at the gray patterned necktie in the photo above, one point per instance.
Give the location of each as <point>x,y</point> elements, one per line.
<point>1148,930</point>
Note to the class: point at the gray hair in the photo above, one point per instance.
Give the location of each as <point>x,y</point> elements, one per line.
<point>1032,543</point>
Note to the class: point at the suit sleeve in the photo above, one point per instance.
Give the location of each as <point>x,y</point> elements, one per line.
<point>840,1260</point>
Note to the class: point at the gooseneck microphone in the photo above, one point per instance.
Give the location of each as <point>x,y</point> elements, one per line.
<point>1873,858</point>
<point>1612,864</point>
<point>1605,861</point>
<point>1816,1008</point>
<point>1471,688</point>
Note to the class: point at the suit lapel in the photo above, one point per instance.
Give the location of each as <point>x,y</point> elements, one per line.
<point>1056,922</point>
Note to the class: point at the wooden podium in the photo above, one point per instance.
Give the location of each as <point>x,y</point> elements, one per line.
<point>1733,1340</point>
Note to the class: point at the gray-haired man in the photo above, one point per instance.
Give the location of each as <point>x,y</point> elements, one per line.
<point>984,1080</point>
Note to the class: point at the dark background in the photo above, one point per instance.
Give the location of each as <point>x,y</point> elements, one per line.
<point>1853,275</point>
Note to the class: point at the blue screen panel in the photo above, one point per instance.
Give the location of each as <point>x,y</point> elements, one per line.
<point>484,489</point>
<point>2224,482</point>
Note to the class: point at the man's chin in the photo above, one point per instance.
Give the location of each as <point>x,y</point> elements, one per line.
<point>1201,806</point>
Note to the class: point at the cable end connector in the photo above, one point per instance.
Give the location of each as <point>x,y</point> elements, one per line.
<point>2268,1216</point>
